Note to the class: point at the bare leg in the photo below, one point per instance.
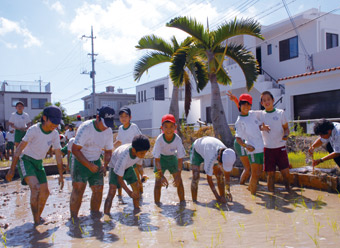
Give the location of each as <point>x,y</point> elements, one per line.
<point>256,170</point>
<point>96,198</point>
<point>285,175</point>
<point>246,172</point>
<point>34,185</point>
<point>140,185</point>
<point>220,181</point>
<point>135,188</point>
<point>194,182</point>
<point>110,195</point>
<point>180,187</point>
<point>119,192</point>
<point>157,190</point>
<point>44,194</point>
<point>76,198</point>
<point>271,181</point>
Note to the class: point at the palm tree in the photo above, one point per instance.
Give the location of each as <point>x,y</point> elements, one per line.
<point>212,46</point>
<point>162,52</point>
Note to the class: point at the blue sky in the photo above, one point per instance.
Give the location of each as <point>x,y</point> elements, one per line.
<point>41,38</point>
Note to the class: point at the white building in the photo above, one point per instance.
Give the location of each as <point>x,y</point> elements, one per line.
<point>153,101</point>
<point>295,67</point>
<point>34,95</point>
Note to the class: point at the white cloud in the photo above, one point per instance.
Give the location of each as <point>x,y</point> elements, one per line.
<point>58,7</point>
<point>120,24</point>
<point>7,27</point>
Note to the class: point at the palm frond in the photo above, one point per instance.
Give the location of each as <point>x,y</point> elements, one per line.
<point>199,71</point>
<point>222,76</point>
<point>187,99</point>
<point>177,67</point>
<point>155,43</point>
<point>236,27</point>
<point>147,61</point>
<point>191,27</point>
<point>245,60</point>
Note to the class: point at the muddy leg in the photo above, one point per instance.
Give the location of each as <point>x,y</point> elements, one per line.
<point>220,180</point>
<point>180,187</point>
<point>256,170</point>
<point>194,182</point>
<point>285,175</point>
<point>110,195</point>
<point>96,198</point>
<point>34,185</point>
<point>246,172</point>
<point>157,190</point>
<point>44,194</point>
<point>271,181</point>
<point>76,198</point>
<point>135,188</point>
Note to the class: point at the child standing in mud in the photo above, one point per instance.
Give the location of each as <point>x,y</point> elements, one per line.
<point>29,156</point>
<point>207,150</point>
<point>121,168</point>
<point>248,135</point>
<point>126,132</point>
<point>93,136</point>
<point>166,146</point>
<point>20,121</point>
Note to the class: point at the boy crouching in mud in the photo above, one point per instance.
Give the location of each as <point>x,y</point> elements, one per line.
<point>29,156</point>
<point>121,168</point>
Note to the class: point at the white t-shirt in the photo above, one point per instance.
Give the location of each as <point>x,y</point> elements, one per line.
<point>275,120</point>
<point>10,136</point>
<point>39,142</point>
<point>69,144</point>
<point>20,121</point>
<point>335,138</point>
<point>126,135</point>
<point>168,148</point>
<point>77,123</point>
<point>247,128</point>
<point>208,148</point>
<point>122,159</point>
<point>93,140</point>
<point>69,134</point>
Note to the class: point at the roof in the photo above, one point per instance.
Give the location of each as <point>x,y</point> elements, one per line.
<point>309,73</point>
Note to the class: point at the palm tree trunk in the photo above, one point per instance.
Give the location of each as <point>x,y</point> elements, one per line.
<point>174,109</point>
<point>218,117</point>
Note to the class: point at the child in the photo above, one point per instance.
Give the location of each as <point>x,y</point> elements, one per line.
<point>121,168</point>
<point>20,121</point>
<point>126,132</point>
<point>10,143</point>
<point>248,135</point>
<point>275,152</point>
<point>242,153</point>
<point>208,150</point>
<point>164,152</point>
<point>29,155</point>
<point>69,133</point>
<point>2,143</point>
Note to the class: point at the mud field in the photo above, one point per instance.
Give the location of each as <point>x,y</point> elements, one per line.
<point>304,218</point>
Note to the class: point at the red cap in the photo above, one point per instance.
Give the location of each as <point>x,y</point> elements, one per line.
<point>78,116</point>
<point>169,118</point>
<point>246,98</point>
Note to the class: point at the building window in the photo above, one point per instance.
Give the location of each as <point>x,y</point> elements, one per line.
<point>208,115</point>
<point>15,100</point>
<point>144,95</point>
<point>289,48</point>
<point>269,49</point>
<point>38,103</point>
<point>159,92</point>
<point>139,97</point>
<point>332,40</point>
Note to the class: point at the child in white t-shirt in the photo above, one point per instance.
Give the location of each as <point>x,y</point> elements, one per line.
<point>30,154</point>
<point>126,132</point>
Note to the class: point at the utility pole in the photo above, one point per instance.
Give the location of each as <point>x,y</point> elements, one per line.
<point>93,72</point>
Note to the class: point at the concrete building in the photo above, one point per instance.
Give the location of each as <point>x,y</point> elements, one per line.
<point>34,95</point>
<point>116,100</point>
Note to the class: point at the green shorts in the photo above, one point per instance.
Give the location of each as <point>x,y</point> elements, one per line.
<point>18,135</point>
<point>240,151</point>
<point>129,176</point>
<point>64,150</point>
<point>28,166</point>
<point>81,174</point>
<point>10,145</point>
<point>168,163</point>
<point>256,158</point>
<point>195,157</point>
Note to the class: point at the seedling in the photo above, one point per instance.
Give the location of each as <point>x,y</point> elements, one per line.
<point>138,244</point>
<point>195,233</point>
<point>314,240</point>
<point>221,211</point>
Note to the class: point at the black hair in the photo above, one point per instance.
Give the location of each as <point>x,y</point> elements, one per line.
<point>220,152</point>
<point>323,126</point>
<point>141,143</point>
<point>241,103</point>
<point>2,128</point>
<point>78,118</point>
<point>267,93</point>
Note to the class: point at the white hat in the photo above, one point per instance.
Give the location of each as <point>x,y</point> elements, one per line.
<point>228,159</point>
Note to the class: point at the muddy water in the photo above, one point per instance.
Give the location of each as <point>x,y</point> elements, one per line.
<point>304,218</point>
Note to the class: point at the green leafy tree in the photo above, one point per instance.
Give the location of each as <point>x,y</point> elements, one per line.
<point>213,48</point>
<point>160,51</point>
